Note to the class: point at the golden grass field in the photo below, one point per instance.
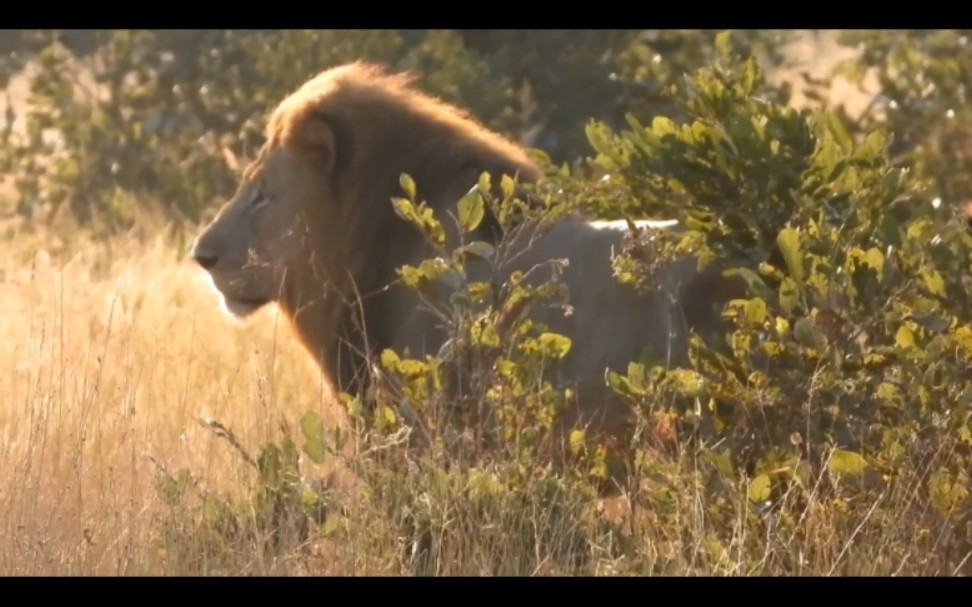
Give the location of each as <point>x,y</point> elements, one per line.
<point>114,351</point>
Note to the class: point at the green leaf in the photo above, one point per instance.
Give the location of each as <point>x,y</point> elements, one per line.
<point>412,368</point>
<point>847,462</point>
<point>171,488</point>
<point>963,337</point>
<point>722,461</point>
<point>722,42</point>
<point>472,209</point>
<point>875,259</point>
<point>933,281</point>
<point>756,312</point>
<point>755,282</point>
<point>268,464</point>
<point>555,344</point>
<point>836,128</point>
<point>385,418</point>
<point>805,333</point>
<point>216,512</point>
<point>934,323</point>
<point>888,393</point>
<point>430,271</point>
<point>353,406</point>
<point>485,183</point>
<point>687,382</point>
<point>624,385</point>
<point>919,229</point>
<point>610,148</point>
<point>313,430</point>
<point>291,454</point>
<point>873,145</point>
<point>965,435</point>
<point>478,290</point>
<point>311,426</point>
<point>760,488</point>
<point>408,184</point>
<point>482,484</point>
<point>635,124</point>
<point>311,501</point>
<point>947,492</point>
<point>749,75</point>
<point>539,156</point>
<point>662,125</point>
<point>826,159</point>
<point>405,209</point>
<point>507,185</point>
<point>389,359</point>
<point>788,241</point>
<point>480,249</point>
<point>904,338</point>
<point>576,441</point>
<point>636,375</point>
<point>789,295</point>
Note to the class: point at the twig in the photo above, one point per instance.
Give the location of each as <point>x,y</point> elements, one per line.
<point>226,434</point>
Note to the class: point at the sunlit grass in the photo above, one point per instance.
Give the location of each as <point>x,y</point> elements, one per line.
<point>114,353</point>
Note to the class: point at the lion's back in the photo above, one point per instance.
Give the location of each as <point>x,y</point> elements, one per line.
<point>610,324</point>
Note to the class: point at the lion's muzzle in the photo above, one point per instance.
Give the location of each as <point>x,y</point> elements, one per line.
<point>204,254</point>
<point>205,260</point>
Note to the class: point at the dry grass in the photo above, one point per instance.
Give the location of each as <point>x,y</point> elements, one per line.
<point>113,354</point>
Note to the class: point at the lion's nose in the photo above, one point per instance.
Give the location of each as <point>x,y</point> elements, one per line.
<point>206,261</point>
<point>204,258</point>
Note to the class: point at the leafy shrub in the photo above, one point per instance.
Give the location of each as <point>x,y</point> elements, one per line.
<point>853,347</point>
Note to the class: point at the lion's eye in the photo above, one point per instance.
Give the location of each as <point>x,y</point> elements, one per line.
<point>259,199</point>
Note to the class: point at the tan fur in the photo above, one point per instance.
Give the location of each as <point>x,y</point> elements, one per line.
<point>312,229</point>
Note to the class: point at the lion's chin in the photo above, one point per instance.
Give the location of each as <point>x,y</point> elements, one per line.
<point>243,308</point>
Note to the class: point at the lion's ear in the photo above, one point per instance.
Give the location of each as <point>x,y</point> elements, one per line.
<point>317,138</point>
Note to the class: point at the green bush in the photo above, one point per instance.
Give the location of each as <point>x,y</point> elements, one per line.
<point>923,76</point>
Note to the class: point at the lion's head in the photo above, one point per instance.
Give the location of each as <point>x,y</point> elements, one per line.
<point>311,226</point>
<point>256,237</point>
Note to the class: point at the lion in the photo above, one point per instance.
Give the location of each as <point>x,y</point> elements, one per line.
<point>312,229</point>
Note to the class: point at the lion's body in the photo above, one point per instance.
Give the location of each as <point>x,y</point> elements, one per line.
<point>610,324</point>
<point>312,228</point>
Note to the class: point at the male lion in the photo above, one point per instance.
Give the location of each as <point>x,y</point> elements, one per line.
<point>312,228</point>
